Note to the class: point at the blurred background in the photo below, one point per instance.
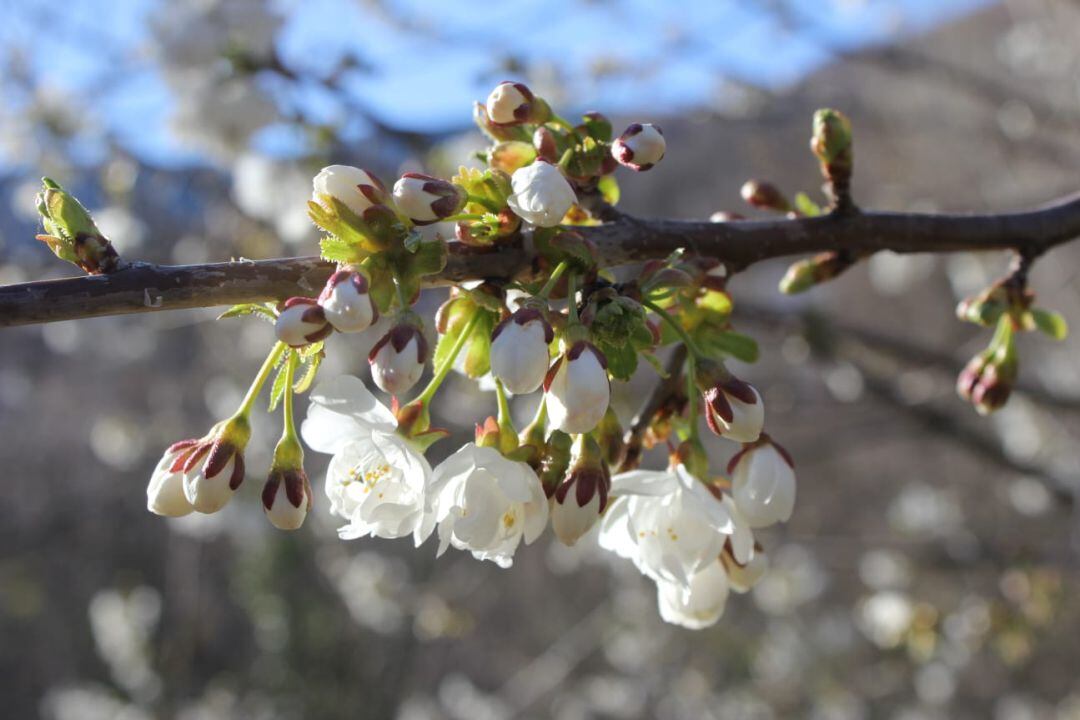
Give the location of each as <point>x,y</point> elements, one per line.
<point>930,570</point>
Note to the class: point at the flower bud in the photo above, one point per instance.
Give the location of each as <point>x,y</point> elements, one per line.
<point>512,103</point>
<point>491,129</point>
<point>212,467</point>
<point>165,493</point>
<point>988,379</point>
<point>545,144</point>
<point>639,147</point>
<point>286,496</point>
<point>519,350</point>
<point>733,408</point>
<point>301,322</point>
<point>357,189</point>
<point>805,274</point>
<point>577,389</point>
<point>346,303</point>
<point>831,139</point>
<point>397,360</point>
<point>582,496</point>
<point>425,199</point>
<point>763,483</point>
<point>764,195</point>
<point>541,195</point>
<point>743,578</point>
<point>70,231</point>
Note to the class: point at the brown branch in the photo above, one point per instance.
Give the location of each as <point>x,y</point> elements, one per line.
<point>144,288</point>
<point>661,394</point>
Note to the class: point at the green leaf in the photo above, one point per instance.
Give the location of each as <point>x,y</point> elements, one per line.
<point>249,309</point>
<point>609,189</point>
<point>1050,322</point>
<point>718,344</point>
<point>278,390</point>
<point>413,240</point>
<point>311,369</point>
<point>334,249</point>
<point>806,206</point>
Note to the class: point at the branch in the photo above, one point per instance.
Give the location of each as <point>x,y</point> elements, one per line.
<point>145,288</point>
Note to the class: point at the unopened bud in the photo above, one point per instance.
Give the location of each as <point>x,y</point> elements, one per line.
<point>805,274</point>
<point>425,199</point>
<point>765,195</point>
<point>70,232</point>
<point>301,322</point>
<point>639,147</point>
<point>397,360</point>
<point>512,103</point>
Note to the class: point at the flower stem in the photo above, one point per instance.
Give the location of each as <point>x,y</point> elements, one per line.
<point>486,203</point>
<point>463,217</point>
<point>443,370</point>
<point>691,393</point>
<point>506,423</point>
<point>260,379</point>
<point>555,275</point>
<point>289,431</point>
<point>675,325</point>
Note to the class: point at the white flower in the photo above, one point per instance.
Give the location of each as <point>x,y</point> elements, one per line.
<point>286,498</point>
<point>734,410</point>
<point>485,503</point>
<point>541,195</point>
<point>377,480</point>
<point>509,103</point>
<point>671,525</point>
<point>519,350</point>
<point>763,485</point>
<point>346,303</point>
<point>397,360</point>
<point>425,199</point>
<point>698,606</point>
<point>577,389</point>
<point>165,493</point>
<point>639,147</point>
<point>357,188</point>
<point>301,322</point>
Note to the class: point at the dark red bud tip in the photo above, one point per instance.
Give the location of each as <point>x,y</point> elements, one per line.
<point>294,301</point>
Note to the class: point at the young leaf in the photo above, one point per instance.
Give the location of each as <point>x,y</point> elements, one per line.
<point>278,390</point>
<point>311,369</point>
<point>806,206</point>
<point>1050,322</point>
<point>249,309</point>
<point>718,344</point>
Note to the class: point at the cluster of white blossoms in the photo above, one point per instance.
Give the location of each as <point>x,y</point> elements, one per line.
<point>571,331</point>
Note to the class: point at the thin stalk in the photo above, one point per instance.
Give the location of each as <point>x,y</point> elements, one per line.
<point>260,378</point>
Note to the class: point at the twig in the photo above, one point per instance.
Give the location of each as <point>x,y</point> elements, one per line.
<point>625,239</point>
<point>661,393</point>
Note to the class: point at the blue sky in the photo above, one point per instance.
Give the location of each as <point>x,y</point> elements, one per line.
<point>668,55</point>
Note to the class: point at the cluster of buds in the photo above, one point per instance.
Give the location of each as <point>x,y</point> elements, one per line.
<point>987,380</point>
